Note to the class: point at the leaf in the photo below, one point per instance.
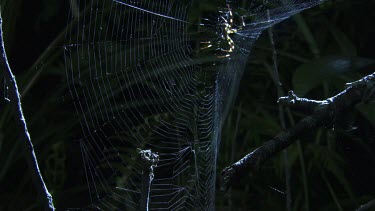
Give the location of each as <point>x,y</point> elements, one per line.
<point>312,74</point>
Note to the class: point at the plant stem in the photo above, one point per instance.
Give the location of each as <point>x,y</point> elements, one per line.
<point>15,104</point>
<point>280,92</point>
<point>149,160</point>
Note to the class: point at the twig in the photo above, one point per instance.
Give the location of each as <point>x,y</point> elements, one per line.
<point>149,161</point>
<point>368,206</point>
<point>323,115</point>
<point>14,97</point>
<point>293,100</point>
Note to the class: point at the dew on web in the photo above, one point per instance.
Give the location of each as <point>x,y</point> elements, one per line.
<point>5,91</point>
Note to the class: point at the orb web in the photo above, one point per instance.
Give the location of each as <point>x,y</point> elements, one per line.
<point>141,82</point>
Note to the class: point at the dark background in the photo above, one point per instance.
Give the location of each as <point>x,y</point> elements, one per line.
<point>334,166</point>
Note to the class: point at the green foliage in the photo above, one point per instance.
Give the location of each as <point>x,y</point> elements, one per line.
<point>315,59</point>
<point>318,52</point>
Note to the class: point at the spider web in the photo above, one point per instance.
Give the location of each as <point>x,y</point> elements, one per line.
<point>144,85</point>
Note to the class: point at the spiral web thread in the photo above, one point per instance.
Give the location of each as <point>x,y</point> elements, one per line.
<point>138,81</point>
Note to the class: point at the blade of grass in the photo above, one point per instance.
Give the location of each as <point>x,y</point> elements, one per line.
<point>332,192</point>
<point>309,37</point>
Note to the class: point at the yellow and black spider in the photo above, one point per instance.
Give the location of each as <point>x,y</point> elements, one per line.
<point>227,28</point>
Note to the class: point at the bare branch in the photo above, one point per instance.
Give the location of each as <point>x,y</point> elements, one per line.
<point>293,100</point>
<point>368,206</point>
<point>15,103</point>
<point>323,115</point>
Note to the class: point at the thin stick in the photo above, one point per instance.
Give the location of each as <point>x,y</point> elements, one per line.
<point>324,114</point>
<point>149,161</point>
<point>15,103</point>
